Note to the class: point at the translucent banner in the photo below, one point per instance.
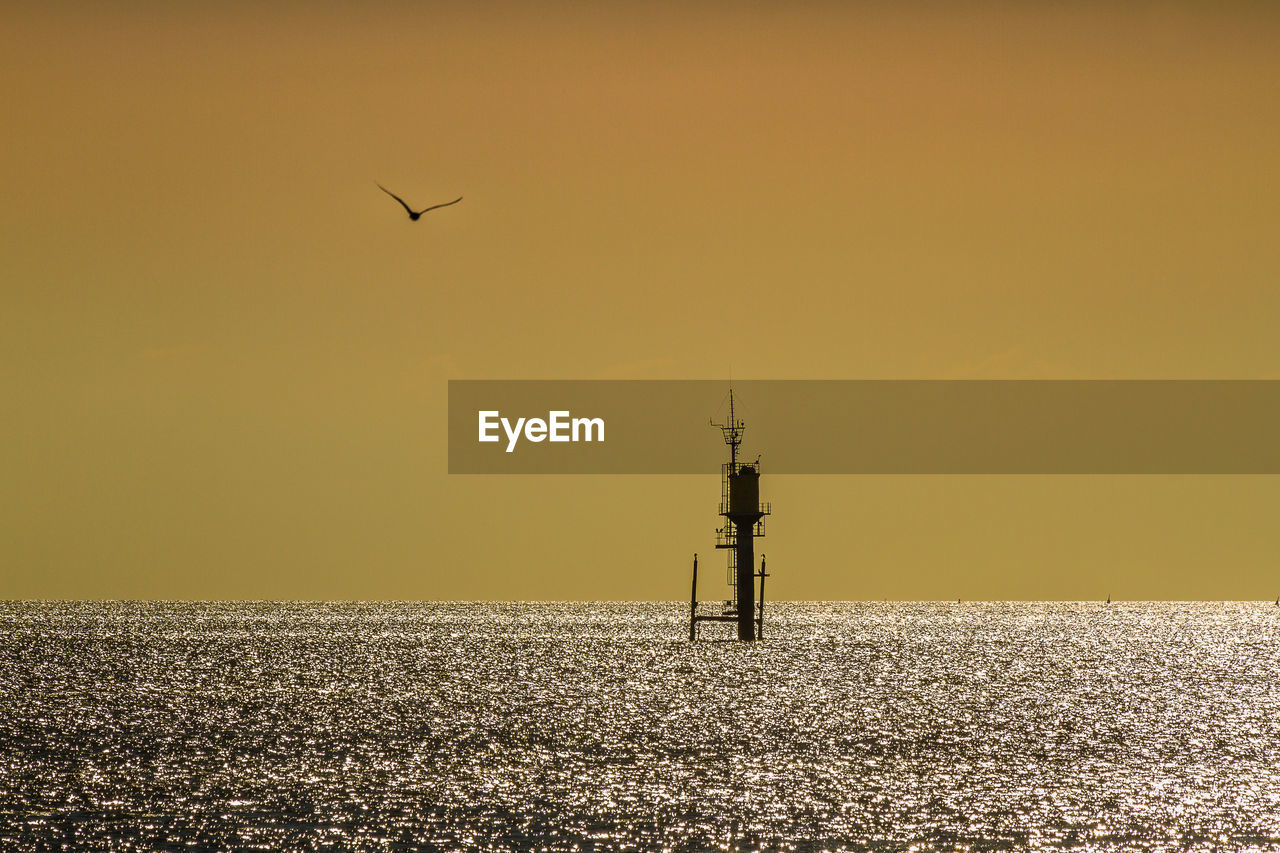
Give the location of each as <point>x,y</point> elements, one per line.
<point>867,426</point>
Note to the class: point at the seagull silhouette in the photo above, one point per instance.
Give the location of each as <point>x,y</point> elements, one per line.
<point>414,214</point>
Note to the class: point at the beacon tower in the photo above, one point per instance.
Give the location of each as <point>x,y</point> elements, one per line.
<point>744,513</point>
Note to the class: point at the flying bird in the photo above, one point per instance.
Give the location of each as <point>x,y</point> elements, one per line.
<point>414,214</point>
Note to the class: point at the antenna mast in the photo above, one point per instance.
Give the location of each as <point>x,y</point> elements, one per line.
<point>732,431</point>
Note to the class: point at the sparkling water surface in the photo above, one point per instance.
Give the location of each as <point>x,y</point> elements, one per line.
<point>467,726</point>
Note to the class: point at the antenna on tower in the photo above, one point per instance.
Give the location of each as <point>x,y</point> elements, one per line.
<point>732,430</point>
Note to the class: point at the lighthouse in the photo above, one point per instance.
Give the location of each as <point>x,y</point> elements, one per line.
<point>744,515</point>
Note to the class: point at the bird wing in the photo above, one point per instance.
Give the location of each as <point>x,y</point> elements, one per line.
<point>396,197</point>
<point>446,204</point>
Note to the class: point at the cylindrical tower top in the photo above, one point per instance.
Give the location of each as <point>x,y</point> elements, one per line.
<point>744,492</point>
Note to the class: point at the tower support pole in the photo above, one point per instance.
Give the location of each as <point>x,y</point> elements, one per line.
<point>746,580</point>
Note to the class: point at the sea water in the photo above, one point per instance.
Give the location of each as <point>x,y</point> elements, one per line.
<point>599,726</point>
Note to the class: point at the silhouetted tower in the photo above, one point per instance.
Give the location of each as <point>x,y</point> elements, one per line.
<point>744,513</point>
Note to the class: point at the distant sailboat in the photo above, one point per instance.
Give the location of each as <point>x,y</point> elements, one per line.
<point>1108,598</point>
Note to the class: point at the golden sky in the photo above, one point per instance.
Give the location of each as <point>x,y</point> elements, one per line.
<point>224,352</point>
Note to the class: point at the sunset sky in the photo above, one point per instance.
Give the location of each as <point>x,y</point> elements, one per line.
<point>224,352</point>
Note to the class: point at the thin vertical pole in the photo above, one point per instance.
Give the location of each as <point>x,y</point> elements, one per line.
<point>760,621</point>
<point>693,603</point>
